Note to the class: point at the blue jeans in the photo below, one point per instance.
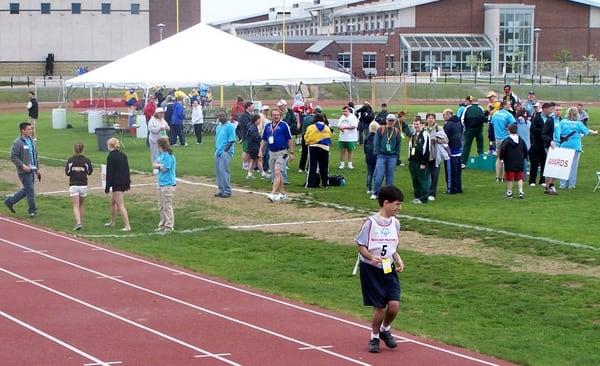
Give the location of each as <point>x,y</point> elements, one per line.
<point>222,172</point>
<point>28,180</point>
<point>572,181</point>
<point>370,174</point>
<point>177,131</point>
<point>385,166</point>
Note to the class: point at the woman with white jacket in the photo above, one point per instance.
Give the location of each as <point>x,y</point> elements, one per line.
<point>157,127</point>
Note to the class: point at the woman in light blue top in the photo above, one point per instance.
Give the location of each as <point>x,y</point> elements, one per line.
<point>166,165</point>
<point>571,130</point>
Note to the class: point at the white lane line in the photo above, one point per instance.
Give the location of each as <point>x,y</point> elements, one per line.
<point>233,227</point>
<point>410,217</point>
<point>107,363</point>
<point>104,277</point>
<point>459,225</point>
<point>218,354</point>
<point>208,185</point>
<point>54,339</point>
<point>35,251</point>
<point>20,281</point>
<point>181,302</point>
<point>93,189</point>
<point>246,292</point>
<point>313,348</point>
<point>130,322</point>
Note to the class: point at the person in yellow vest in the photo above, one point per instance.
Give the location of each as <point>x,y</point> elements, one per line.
<point>131,101</point>
<point>493,106</point>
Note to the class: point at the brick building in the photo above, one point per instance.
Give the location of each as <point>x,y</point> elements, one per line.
<point>418,36</point>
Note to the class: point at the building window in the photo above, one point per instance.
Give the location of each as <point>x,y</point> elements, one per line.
<point>389,62</point>
<point>76,8</point>
<point>105,8</point>
<point>369,60</point>
<point>45,8</point>
<point>344,60</point>
<point>515,41</point>
<point>135,8</point>
<point>14,8</point>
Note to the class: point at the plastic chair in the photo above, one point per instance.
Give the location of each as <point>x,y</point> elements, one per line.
<point>597,183</point>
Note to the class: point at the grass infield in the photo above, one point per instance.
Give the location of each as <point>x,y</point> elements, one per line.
<point>529,318</point>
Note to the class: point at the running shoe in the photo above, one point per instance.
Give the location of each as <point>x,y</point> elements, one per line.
<point>374,345</point>
<point>387,338</point>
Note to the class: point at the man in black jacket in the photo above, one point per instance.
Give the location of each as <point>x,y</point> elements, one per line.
<point>365,116</point>
<point>472,118</point>
<point>537,151</point>
<point>550,130</point>
<point>33,113</point>
<point>454,130</point>
<point>382,115</point>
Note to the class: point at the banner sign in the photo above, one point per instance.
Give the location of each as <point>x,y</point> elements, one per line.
<point>558,163</point>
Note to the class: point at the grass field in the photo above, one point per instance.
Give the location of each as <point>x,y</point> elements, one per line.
<point>526,317</point>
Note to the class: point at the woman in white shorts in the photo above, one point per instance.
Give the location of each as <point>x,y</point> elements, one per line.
<point>78,168</point>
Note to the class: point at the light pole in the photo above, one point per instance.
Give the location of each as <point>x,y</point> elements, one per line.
<point>537,32</point>
<point>161,29</point>
<point>350,26</point>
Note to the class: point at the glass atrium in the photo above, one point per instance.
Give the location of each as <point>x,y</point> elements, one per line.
<point>449,53</point>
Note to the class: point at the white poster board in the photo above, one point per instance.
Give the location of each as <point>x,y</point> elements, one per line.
<point>103,175</point>
<point>558,163</point>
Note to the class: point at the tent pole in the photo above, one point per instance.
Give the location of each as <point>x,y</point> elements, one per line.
<point>222,97</point>
<point>251,96</point>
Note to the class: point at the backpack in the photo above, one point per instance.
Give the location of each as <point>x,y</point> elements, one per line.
<point>337,180</point>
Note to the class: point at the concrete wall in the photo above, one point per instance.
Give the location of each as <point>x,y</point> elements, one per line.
<point>30,35</point>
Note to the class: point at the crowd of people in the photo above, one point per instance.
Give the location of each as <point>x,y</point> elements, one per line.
<point>520,134</point>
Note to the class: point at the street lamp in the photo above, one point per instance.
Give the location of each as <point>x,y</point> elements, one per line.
<point>161,29</point>
<point>537,32</point>
<point>350,27</point>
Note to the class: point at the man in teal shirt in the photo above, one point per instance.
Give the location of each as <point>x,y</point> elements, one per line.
<point>224,149</point>
<point>501,120</point>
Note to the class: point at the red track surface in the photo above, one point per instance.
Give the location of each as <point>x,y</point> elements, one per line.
<point>97,306</point>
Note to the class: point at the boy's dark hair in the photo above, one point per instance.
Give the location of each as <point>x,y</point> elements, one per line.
<point>318,118</point>
<point>351,104</point>
<point>512,128</point>
<point>255,117</point>
<point>24,125</point>
<point>389,193</point>
<point>547,105</point>
<point>247,104</point>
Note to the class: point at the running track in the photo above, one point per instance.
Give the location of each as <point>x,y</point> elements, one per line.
<point>65,301</point>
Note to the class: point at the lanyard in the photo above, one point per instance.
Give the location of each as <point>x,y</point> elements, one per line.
<point>273,128</point>
<point>389,136</point>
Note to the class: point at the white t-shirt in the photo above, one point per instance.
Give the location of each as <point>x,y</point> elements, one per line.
<point>197,117</point>
<point>380,236</point>
<point>348,135</point>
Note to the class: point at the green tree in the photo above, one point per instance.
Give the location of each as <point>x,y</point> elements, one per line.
<point>590,63</point>
<point>563,57</point>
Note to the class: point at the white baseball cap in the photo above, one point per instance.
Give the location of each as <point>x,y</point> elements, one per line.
<point>281,102</point>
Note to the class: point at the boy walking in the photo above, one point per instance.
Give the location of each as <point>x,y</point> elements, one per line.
<point>513,153</point>
<point>377,244</point>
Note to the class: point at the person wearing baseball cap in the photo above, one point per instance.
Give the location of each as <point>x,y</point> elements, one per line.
<point>386,146</point>
<point>493,106</point>
<point>529,104</point>
<point>157,128</point>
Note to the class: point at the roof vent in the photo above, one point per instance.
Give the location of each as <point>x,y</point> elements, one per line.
<point>316,2</point>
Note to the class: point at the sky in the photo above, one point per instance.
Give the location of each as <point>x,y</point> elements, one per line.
<point>215,10</point>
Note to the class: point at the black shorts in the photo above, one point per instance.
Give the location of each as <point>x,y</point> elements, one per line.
<point>377,287</point>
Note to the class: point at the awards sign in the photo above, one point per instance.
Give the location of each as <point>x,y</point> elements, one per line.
<point>558,163</point>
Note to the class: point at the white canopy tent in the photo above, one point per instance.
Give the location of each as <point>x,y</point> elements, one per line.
<point>205,55</point>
